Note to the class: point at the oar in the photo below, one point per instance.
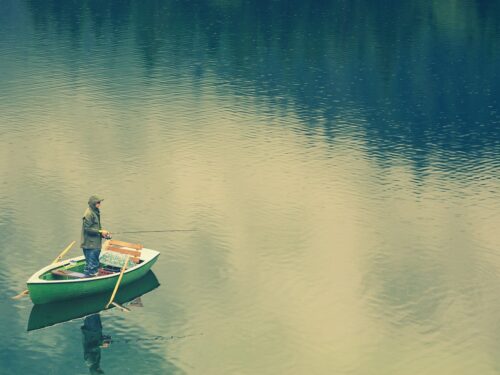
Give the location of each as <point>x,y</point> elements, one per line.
<point>59,257</point>
<point>121,307</point>
<point>117,285</point>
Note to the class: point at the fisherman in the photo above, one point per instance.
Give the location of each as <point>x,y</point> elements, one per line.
<point>92,235</point>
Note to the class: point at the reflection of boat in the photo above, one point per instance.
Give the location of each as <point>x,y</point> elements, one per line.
<point>52,313</point>
<point>64,280</point>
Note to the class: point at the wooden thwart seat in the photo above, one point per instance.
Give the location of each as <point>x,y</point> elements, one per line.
<point>67,273</point>
<point>127,248</point>
<point>125,244</point>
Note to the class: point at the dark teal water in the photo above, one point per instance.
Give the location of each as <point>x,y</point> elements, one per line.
<point>339,160</point>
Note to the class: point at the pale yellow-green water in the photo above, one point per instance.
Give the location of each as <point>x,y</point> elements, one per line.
<point>338,161</point>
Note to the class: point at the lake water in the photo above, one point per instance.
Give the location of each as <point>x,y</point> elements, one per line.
<point>339,161</point>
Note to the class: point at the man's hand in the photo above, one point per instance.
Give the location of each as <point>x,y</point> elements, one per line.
<point>105,234</point>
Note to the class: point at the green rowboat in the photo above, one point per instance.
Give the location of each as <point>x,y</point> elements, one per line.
<point>48,314</point>
<point>47,285</point>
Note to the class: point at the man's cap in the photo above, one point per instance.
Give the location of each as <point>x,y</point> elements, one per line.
<point>94,199</point>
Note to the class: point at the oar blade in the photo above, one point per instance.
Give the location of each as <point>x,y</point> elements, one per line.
<point>24,293</point>
<point>121,307</point>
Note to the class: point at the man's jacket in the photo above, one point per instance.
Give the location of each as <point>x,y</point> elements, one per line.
<point>91,237</point>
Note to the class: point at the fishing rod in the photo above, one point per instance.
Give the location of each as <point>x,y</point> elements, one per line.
<point>155,231</point>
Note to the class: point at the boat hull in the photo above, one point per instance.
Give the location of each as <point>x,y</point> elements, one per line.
<point>59,312</point>
<point>42,291</point>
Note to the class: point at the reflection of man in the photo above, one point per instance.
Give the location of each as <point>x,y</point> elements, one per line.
<point>93,341</point>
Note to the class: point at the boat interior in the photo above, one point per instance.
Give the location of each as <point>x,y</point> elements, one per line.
<point>115,254</point>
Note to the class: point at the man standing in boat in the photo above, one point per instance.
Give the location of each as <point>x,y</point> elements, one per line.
<point>92,235</point>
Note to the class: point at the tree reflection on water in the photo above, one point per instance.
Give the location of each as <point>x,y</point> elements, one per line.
<point>401,67</point>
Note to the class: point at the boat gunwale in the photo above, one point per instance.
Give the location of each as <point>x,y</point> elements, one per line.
<point>35,278</point>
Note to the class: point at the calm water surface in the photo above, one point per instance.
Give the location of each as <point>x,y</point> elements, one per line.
<point>340,161</point>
